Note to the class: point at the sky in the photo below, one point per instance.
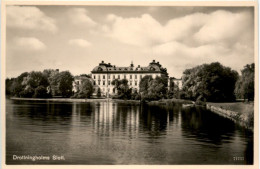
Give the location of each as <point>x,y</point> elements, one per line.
<point>78,38</point>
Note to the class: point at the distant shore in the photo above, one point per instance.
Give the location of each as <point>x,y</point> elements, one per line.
<point>73,100</point>
<point>102,100</point>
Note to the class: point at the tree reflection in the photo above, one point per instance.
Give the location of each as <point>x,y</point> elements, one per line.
<point>206,126</point>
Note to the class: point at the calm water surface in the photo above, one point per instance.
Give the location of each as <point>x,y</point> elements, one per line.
<point>122,133</point>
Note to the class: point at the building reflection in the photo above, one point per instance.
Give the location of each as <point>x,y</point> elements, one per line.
<point>128,119</point>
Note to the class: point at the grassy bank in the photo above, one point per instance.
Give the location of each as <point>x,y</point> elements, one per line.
<point>163,101</point>
<point>240,112</point>
<point>171,101</point>
<point>58,99</point>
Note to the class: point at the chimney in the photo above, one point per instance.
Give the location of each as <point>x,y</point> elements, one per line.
<point>138,65</point>
<point>153,61</point>
<point>57,70</point>
<point>102,61</point>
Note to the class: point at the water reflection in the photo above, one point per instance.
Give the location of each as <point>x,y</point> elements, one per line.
<point>123,133</point>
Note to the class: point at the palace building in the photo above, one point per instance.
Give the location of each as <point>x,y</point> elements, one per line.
<point>105,73</point>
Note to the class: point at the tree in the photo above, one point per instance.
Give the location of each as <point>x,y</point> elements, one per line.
<point>85,89</point>
<point>210,82</point>
<point>61,84</point>
<point>27,92</point>
<point>144,85</point>
<point>17,87</point>
<point>122,87</point>
<point>8,85</point>
<point>40,92</point>
<point>153,89</point>
<point>35,79</point>
<point>245,84</point>
<point>98,92</point>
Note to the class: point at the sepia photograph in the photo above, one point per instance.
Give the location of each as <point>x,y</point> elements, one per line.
<point>136,84</point>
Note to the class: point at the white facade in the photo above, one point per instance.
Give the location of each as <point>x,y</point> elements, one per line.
<point>103,81</point>
<point>104,74</point>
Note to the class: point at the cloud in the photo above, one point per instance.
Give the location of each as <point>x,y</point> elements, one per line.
<point>224,25</point>
<point>194,29</point>
<point>79,42</point>
<point>29,18</point>
<point>78,16</point>
<point>180,49</point>
<point>29,43</point>
<point>146,31</point>
<point>179,56</point>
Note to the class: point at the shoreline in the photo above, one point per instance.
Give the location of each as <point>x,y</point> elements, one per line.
<point>238,117</point>
<point>72,100</point>
<point>242,118</point>
<point>101,100</point>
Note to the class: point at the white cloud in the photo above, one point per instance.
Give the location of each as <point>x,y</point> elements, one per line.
<point>79,42</point>
<point>224,25</point>
<point>78,16</point>
<point>194,29</point>
<point>29,18</point>
<point>189,40</point>
<point>180,56</point>
<point>146,31</point>
<point>29,43</point>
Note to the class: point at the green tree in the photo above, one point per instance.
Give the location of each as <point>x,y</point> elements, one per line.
<point>245,84</point>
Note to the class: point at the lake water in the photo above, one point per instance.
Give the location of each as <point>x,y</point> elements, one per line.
<point>122,133</point>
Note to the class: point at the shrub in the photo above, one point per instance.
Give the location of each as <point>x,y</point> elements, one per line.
<point>40,92</point>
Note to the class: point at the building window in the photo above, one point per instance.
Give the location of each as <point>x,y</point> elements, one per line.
<point>108,76</point>
<point>108,82</point>
<point>130,83</point>
<point>94,76</point>
<point>135,76</point>
<point>140,76</point>
<point>94,83</point>
<point>130,76</point>
<point>118,76</point>
<point>113,76</point>
<point>99,82</point>
<point>136,83</point>
<point>104,77</point>
<point>104,83</point>
<point>108,90</point>
<point>98,76</point>
<point>124,76</point>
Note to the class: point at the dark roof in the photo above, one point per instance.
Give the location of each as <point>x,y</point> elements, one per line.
<point>152,67</point>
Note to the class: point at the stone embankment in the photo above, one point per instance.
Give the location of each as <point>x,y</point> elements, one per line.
<point>241,118</point>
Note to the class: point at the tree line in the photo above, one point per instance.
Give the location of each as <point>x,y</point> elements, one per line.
<point>207,82</point>
<point>40,84</point>
<point>217,83</point>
